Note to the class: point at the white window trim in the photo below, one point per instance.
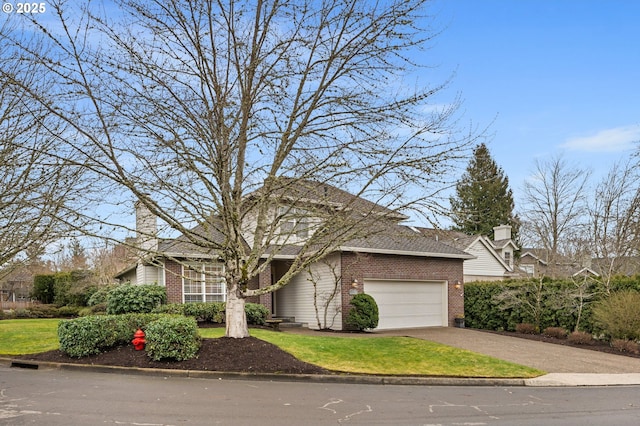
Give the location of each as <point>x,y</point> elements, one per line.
<point>199,268</point>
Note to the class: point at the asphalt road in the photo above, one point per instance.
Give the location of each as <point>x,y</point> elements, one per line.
<point>59,397</point>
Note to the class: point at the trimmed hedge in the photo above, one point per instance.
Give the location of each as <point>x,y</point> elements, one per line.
<point>256,313</point>
<point>559,303</point>
<point>214,311</point>
<point>172,337</point>
<point>91,335</point>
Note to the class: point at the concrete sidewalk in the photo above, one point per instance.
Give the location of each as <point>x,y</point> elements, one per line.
<point>567,366</point>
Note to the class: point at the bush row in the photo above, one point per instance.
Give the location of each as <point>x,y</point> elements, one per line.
<point>564,304</point>
<point>214,312</point>
<point>42,311</point>
<point>168,337</point>
<point>64,288</point>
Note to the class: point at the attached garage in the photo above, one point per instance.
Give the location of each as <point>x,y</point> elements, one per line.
<point>409,304</point>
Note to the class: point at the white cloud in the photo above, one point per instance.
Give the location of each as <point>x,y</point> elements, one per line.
<point>608,140</point>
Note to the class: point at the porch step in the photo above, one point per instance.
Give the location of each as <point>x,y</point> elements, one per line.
<point>289,322</point>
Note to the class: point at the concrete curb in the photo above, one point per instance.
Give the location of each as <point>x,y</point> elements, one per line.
<point>223,375</point>
<point>547,380</point>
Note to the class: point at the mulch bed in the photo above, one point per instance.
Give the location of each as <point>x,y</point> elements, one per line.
<point>249,355</point>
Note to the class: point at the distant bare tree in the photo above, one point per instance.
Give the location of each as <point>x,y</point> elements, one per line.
<point>35,186</point>
<point>614,220</point>
<point>107,260</point>
<point>554,213</point>
<point>213,113</point>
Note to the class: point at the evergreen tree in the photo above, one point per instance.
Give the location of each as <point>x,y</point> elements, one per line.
<point>483,198</point>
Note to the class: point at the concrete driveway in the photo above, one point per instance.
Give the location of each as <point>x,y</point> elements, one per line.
<point>544,356</point>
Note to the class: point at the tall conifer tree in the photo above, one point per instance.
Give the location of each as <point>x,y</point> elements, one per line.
<point>483,197</point>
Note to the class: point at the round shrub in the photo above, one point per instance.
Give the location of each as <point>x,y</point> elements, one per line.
<point>172,338</point>
<point>87,335</point>
<point>91,335</point>
<point>364,312</point>
<point>130,298</point>
<point>619,315</point>
<point>99,297</point>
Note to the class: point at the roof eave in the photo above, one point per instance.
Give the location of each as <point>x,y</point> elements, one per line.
<point>462,256</point>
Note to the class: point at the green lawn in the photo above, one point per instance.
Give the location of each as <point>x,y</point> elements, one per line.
<point>388,355</point>
<point>28,336</point>
<point>369,355</point>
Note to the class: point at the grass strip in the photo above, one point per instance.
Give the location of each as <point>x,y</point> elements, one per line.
<point>388,356</point>
<point>28,336</point>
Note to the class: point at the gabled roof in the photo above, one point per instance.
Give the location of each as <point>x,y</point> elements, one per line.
<point>465,242</point>
<point>533,253</point>
<point>309,192</point>
<point>389,237</point>
<point>393,239</point>
<point>501,244</point>
<point>456,239</point>
<point>183,246</point>
<point>585,271</point>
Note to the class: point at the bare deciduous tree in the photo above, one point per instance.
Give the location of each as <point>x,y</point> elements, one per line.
<point>614,222</point>
<point>35,186</point>
<point>554,215</point>
<point>211,113</point>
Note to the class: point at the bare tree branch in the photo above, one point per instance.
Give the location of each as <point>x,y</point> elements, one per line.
<point>217,115</point>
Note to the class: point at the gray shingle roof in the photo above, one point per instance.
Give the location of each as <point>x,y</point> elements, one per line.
<point>400,239</point>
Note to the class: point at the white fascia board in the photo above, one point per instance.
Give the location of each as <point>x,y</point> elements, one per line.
<point>494,253</point>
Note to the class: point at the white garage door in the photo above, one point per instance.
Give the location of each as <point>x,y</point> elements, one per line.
<point>407,304</point>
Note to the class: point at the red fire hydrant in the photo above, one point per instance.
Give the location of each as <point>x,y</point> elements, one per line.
<point>138,340</point>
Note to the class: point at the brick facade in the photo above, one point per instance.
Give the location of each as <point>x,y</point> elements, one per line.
<point>360,266</point>
<point>173,281</point>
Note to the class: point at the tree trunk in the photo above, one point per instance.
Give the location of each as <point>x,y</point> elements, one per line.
<point>236,318</point>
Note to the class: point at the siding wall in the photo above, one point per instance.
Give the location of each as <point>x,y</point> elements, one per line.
<point>296,298</point>
<point>485,266</point>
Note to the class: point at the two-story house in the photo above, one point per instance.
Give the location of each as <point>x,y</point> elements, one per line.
<point>416,280</point>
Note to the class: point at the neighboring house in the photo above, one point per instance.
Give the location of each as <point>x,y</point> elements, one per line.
<point>16,286</point>
<point>492,259</point>
<point>539,263</point>
<point>416,281</point>
<point>623,265</point>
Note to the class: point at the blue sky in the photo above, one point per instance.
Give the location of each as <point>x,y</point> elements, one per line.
<point>549,77</point>
<point>554,76</point>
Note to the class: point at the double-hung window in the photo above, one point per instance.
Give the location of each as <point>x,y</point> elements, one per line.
<point>203,282</point>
